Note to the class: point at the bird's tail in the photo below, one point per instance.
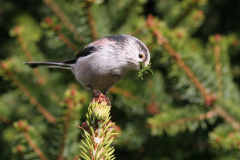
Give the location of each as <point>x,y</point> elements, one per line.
<point>63,64</point>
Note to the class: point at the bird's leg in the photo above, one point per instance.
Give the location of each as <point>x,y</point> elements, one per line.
<point>96,93</point>
<point>108,100</point>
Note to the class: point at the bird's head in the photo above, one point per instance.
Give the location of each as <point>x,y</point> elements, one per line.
<point>136,52</point>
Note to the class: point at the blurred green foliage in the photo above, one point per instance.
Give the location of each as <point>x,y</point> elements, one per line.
<point>189,108</point>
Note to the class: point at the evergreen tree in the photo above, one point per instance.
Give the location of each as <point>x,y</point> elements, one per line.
<point>189,108</point>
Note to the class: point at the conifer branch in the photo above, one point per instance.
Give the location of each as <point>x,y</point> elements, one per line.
<point>185,13</point>
<point>199,117</point>
<point>228,118</point>
<point>56,28</point>
<point>62,16</point>
<point>91,20</point>
<point>218,66</point>
<point>97,131</point>
<point>65,40</point>
<point>34,146</point>
<point>27,93</point>
<point>164,42</point>
<point>124,93</point>
<point>68,42</point>
<point>70,106</point>
<point>41,80</point>
<point>24,128</point>
<point>4,119</point>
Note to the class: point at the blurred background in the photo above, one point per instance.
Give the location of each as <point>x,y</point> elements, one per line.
<point>189,109</point>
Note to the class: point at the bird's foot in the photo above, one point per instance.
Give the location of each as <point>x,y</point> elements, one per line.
<point>96,93</point>
<point>99,97</point>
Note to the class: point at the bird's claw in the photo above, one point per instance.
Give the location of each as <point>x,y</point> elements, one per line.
<point>99,97</point>
<point>96,93</point>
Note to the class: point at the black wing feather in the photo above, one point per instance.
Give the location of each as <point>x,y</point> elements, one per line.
<point>87,51</point>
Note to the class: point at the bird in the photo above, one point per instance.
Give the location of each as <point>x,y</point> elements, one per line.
<point>101,64</point>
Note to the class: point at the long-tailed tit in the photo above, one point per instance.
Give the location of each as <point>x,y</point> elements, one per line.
<point>104,62</point>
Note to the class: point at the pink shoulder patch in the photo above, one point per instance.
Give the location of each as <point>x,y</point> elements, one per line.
<point>102,42</point>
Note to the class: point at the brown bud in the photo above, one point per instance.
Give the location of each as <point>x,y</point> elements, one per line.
<point>17,30</point>
<point>231,134</point>
<point>217,37</point>
<point>19,148</point>
<point>156,33</point>
<point>153,108</point>
<point>20,123</point>
<point>200,13</point>
<point>238,143</point>
<point>48,20</point>
<point>57,28</point>
<point>117,128</point>
<point>99,97</point>
<point>73,92</point>
<point>150,22</point>
<point>4,65</point>
<point>209,100</point>
<point>177,56</point>
<point>179,34</point>
<point>85,127</point>
<point>67,100</point>
<point>26,128</point>
<point>218,139</point>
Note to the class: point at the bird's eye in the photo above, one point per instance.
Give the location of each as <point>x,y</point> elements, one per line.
<point>140,55</point>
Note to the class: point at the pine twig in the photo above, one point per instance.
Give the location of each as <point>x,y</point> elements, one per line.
<point>97,131</point>
<point>66,127</point>
<point>65,40</point>
<point>41,80</point>
<point>23,126</point>
<point>123,92</point>
<point>200,117</point>
<point>222,113</point>
<point>149,23</point>
<point>185,13</point>
<point>27,93</point>
<point>62,16</point>
<point>164,42</point>
<point>91,20</point>
<point>68,42</point>
<point>34,146</point>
